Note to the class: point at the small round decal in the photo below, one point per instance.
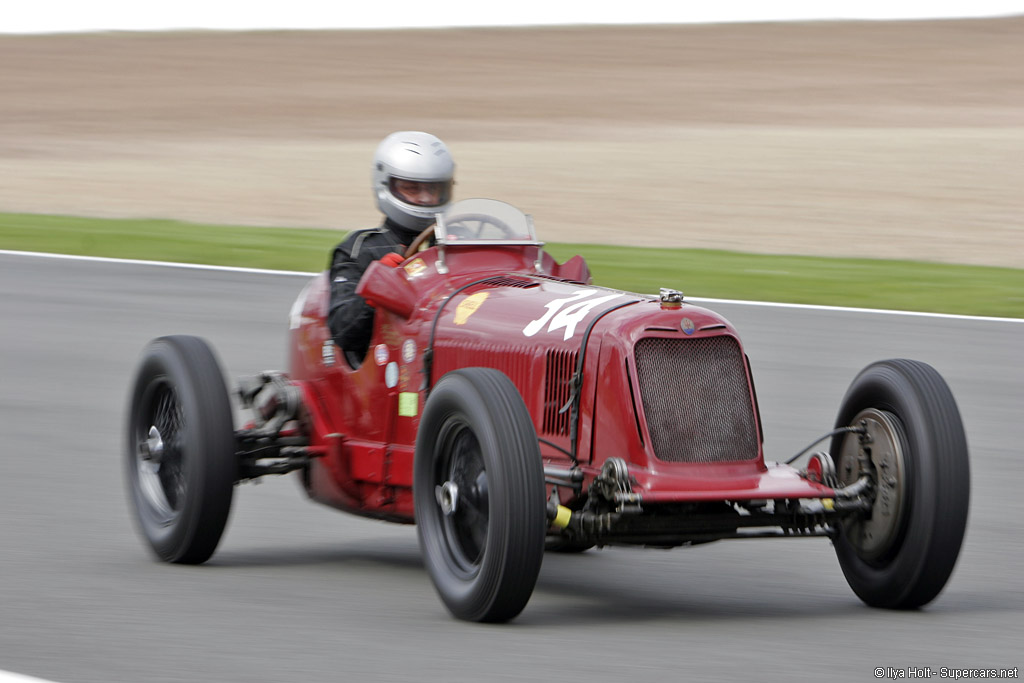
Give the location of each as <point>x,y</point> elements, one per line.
<point>687,326</point>
<point>380,354</point>
<point>391,375</point>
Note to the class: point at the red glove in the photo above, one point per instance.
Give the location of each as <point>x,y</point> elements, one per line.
<point>392,260</point>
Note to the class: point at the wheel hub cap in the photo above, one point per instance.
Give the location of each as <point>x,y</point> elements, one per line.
<point>152,448</point>
<point>447,497</point>
<point>880,453</point>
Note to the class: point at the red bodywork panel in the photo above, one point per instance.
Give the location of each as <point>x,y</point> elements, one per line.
<point>515,309</point>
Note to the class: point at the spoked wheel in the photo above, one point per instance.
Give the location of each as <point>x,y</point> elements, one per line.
<point>463,497</point>
<point>479,495</point>
<point>901,554</point>
<point>180,453</point>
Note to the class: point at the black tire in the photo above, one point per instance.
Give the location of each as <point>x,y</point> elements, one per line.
<point>483,556</point>
<point>180,449</point>
<point>920,511</point>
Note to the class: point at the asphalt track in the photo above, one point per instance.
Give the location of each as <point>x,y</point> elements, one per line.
<point>297,592</point>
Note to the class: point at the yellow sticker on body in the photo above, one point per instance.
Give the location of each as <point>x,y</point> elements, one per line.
<point>408,404</point>
<point>416,267</point>
<point>468,306</point>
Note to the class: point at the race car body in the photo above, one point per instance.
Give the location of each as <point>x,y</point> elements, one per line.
<point>506,402</point>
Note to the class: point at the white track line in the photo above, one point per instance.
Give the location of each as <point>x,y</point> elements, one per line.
<point>850,309</point>
<point>166,264</point>
<point>295,273</point>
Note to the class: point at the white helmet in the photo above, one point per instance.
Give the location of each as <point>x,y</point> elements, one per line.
<point>410,159</point>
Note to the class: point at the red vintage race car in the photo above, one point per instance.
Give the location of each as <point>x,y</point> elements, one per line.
<point>507,406</point>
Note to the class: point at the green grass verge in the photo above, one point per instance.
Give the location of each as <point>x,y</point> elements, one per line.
<point>901,285</point>
<point>165,240</point>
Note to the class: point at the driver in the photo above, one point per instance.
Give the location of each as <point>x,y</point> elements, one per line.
<point>413,174</point>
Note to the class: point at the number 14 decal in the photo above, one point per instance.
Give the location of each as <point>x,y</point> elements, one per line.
<point>567,313</point>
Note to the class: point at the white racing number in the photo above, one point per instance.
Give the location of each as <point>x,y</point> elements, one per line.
<point>567,313</point>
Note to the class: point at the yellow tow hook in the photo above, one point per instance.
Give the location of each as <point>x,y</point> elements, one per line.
<point>562,517</point>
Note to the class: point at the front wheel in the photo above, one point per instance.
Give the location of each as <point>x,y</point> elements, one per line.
<point>901,553</point>
<point>478,488</point>
<point>180,450</point>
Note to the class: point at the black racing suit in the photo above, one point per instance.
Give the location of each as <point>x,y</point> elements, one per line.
<point>349,317</point>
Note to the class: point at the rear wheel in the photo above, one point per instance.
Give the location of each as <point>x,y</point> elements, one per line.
<point>180,451</point>
<point>901,554</point>
<point>479,495</point>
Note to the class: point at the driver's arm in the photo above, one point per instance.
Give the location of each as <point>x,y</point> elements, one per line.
<point>349,317</point>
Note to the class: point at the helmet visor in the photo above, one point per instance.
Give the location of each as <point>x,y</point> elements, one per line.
<point>420,193</point>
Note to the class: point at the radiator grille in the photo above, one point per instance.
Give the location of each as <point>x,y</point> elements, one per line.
<point>509,281</point>
<point>515,361</point>
<point>558,370</point>
<point>696,399</point>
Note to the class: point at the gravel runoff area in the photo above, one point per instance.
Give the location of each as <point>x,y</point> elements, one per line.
<point>873,139</point>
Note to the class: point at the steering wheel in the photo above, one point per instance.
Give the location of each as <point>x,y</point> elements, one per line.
<point>470,225</point>
<point>415,245</point>
<point>475,223</point>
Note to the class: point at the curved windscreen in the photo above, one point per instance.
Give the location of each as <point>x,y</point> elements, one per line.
<point>472,221</point>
